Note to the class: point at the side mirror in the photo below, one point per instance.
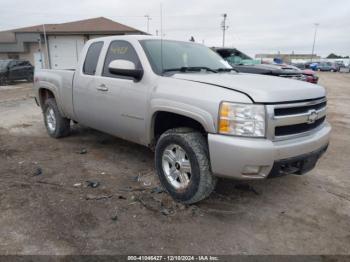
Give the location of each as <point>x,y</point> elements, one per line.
<point>125,68</point>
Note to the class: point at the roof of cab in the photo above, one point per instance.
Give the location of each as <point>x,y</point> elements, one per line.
<point>126,37</point>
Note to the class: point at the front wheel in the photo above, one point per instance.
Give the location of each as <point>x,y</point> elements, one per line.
<point>183,166</point>
<point>56,125</point>
<point>30,78</point>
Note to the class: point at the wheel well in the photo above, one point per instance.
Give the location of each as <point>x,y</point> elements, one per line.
<point>45,94</point>
<point>164,121</point>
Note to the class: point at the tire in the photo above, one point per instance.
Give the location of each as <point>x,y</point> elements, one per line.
<point>3,80</point>
<point>56,125</point>
<point>30,78</point>
<point>200,182</point>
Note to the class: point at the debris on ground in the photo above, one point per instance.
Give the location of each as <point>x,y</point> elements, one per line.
<point>247,187</point>
<point>122,197</point>
<point>49,183</point>
<point>194,210</point>
<point>115,217</point>
<point>97,197</point>
<point>131,189</point>
<point>157,190</point>
<point>82,151</point>
<point>77,185</point>
<point>148,179</point>
<point>93,184</point>
<point>134,178</point>
<point>166,206</point>
<point>165,211</point>
<point>133,198</point>
<point>38,171</point>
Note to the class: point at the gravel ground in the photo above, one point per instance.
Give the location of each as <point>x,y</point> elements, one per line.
<point>47,207</point>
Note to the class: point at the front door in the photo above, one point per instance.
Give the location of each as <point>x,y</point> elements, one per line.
<point>116,104</point>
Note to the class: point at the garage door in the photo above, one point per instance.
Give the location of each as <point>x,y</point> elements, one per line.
<point>65,51</point>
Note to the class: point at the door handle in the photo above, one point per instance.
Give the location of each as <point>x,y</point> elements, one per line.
<point>102,87</point>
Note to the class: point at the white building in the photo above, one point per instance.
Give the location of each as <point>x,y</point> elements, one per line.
<point>64,41</point>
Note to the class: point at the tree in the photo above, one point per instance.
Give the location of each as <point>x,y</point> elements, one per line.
<point>334,56</point>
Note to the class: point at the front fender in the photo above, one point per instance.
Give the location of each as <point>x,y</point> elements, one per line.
<point>196,113</point>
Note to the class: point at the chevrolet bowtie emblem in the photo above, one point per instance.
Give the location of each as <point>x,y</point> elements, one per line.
<point>313,115</point>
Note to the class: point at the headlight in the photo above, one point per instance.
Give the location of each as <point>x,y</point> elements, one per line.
<point>242,119</point>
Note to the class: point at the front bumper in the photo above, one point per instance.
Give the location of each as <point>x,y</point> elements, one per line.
<point>233,157</point>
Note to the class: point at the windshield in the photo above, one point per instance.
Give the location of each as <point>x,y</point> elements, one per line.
<point>3,64</point>
<point>177,55</point>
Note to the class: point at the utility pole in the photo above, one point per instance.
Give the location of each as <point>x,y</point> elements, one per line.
<point>224,28</point>
<point>48,65</point>
<point>41,53</point>
<point>148,17</point>
<point>313,45</point>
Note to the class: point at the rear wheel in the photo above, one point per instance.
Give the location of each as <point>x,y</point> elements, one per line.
<point>30,78</point>
<point>3,80</point>
<point>56,125</point>
<point>183,166</point>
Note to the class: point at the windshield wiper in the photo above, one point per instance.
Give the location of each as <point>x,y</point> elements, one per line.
<point>226,70</point>
<point>189,68</point>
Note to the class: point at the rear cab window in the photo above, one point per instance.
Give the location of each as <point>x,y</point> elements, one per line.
<point>92,57</point>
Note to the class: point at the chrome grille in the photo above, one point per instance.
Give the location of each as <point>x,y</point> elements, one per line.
<point>290,120</point>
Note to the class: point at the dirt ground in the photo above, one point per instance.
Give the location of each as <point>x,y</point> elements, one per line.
<point>47,207</point>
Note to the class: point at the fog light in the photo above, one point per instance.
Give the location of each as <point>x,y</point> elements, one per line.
<point>251,170</point>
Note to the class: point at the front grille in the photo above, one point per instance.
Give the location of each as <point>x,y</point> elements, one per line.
<point>298,128</point>
<point>289,120</point>
<point>298,110</point>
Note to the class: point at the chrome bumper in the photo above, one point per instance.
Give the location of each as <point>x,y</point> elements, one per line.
<point>236,157</point>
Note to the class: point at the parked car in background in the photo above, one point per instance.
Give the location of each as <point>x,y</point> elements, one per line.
<point>340,64</point>
<point>203,119</point>
<point>301,66</point>
<point>243,65</point>
<point>345,69</point>
<point>327,67</point>
<point>310,75</point>
<point>312,66</point>
<point>12,70</point>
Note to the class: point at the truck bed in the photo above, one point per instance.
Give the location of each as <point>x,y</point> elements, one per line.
<point>61,83</point>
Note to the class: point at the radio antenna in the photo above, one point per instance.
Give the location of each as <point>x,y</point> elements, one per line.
<point>161,37</point>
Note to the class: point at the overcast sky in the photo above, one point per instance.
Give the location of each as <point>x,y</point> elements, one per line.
<point>260,26</point>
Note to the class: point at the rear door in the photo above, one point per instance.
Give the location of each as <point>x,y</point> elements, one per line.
<point>84,87</point>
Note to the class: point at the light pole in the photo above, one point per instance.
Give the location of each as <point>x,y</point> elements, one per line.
<point>313,45</point>
<point>224,28</point>
<point>148,17</point>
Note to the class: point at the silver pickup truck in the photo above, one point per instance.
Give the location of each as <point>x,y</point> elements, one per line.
<point>203,119</point>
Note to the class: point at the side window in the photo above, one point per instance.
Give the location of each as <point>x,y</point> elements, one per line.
<point>13,64</point>
<point>120,50</point>
<point>91,58</point>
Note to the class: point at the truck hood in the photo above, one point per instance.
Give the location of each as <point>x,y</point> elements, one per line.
<point>260,88</point>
